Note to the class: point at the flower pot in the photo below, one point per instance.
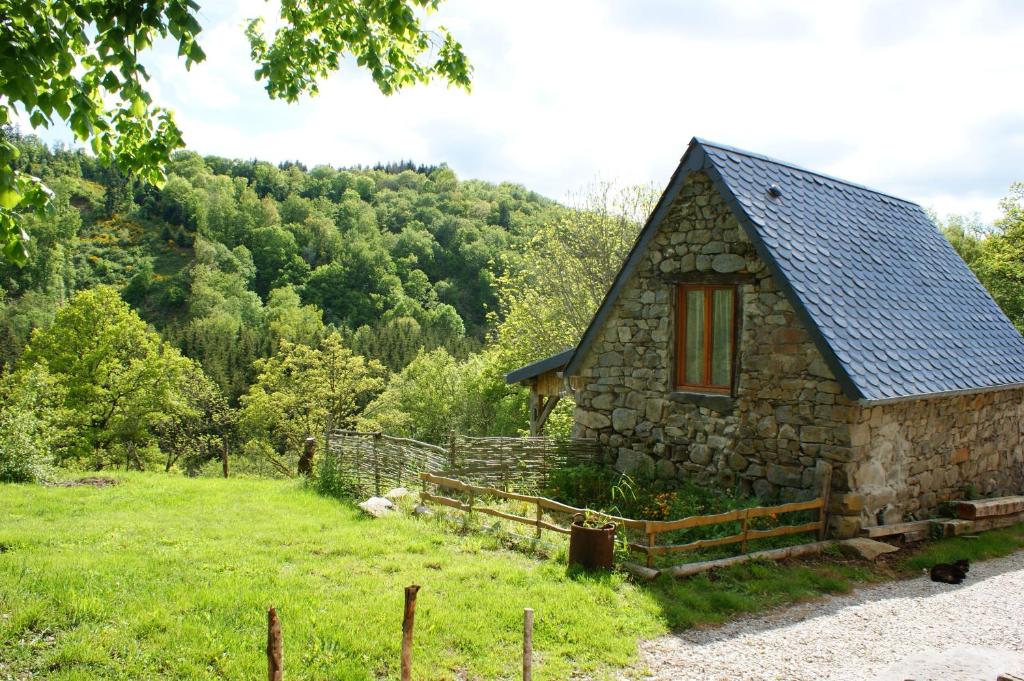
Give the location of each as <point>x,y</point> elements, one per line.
<point>592,548</point>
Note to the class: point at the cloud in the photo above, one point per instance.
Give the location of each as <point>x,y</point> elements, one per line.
<point>918,99</point>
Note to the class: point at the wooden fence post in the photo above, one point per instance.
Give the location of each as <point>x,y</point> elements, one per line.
<point>306,460</point>
<point>376,465</point>
<point>652,537</point>
<point>275,647</point>
<point>826,492</point>
<point>224,458</point>
<point>528,644</point>
<point>452,457</point>
<point>540,517</point>
<point>407,623</point>
<point>745,529</point>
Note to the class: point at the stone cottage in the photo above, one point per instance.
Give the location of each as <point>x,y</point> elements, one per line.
<point>769,317</point>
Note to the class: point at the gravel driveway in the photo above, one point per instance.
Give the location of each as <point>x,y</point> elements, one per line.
<point>914,629</point>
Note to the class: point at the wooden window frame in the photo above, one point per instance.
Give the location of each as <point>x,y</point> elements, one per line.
<point>708,289</point>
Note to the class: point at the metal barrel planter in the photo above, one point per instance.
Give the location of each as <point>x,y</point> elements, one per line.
<point>592,548</point>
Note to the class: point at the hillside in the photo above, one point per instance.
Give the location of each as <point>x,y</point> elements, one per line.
<point>230,256</point>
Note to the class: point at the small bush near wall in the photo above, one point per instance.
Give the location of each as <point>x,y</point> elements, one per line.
<point>332,481</point>
<point>603,489</point>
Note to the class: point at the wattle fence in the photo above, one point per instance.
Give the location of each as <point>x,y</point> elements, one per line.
<point>375,462</point>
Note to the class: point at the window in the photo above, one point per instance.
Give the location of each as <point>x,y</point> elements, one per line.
<point>705,337</point>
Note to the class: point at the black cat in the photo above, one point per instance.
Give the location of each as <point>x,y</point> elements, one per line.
<point>950,573</point>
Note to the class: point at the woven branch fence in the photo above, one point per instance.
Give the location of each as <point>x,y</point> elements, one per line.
<point>375,462</point>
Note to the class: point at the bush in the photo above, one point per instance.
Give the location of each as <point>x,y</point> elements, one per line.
<point>583,486</point>
<point>30,424</point>
<point>602,488</point>
<point>331,480</point>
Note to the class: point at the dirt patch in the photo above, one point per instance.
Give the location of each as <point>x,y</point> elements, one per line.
<point>85,482</point>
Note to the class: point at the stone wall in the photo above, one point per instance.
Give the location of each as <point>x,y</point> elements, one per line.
<point>909,457</point>
<point>787,410</point>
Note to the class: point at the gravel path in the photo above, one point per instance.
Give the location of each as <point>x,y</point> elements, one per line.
<point>913,629</point>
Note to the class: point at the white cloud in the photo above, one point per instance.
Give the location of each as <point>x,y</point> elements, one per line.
<point>917,98</point>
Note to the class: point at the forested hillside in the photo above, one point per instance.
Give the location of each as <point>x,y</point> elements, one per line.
<point>249,305</point>
<point>229,256</point>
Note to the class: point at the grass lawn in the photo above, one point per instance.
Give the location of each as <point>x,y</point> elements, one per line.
<point>169,577</point>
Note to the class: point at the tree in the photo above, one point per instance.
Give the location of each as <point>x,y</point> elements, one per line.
<point>550,293</point>
<point>996,256</point>
<point>201,429</point>
<point>421,401</point>
<point>31,423</point>
<point>358,288</point>
<point>436,395</point>
<point>118,377</point>
<point>79,61</point>
<point>301,391</point>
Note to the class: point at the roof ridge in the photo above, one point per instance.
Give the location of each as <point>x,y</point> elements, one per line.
<point>762,157</point>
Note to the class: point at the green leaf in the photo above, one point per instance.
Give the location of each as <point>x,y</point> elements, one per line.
<point>9,198</point>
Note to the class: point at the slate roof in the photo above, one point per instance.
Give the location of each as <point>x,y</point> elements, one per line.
<point>541,366</point>
<point>894,310</point>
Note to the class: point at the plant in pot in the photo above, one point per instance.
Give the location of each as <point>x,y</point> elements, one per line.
<point>591,542</point>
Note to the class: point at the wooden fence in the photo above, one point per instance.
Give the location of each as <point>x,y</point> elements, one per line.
<point>375,462</point>
<point>650,528</point>
<point>542,504</point>
<point>275,640</point>
<point>746,534</point>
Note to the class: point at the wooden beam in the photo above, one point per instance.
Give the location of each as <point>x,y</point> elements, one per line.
<point>534,411</point>
<point>641,571</point>
<point>911,527</point>
<point>689,569</point>
<point>985,508</point>
<point>545,412</point>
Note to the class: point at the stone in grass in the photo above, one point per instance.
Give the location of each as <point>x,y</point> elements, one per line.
<point>869,549</point>
<point>422,510</point>
<point>397,493</point>
<point>378,507</point>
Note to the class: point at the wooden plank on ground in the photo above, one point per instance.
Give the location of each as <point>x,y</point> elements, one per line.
<point>689,569</point>
<point>914,526</point>
<point>997,522</point>
<point>641,571</point>
<point>986,508</point>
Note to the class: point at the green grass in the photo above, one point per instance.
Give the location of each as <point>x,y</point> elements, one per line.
<point>992,544</point>
<point>167,577</point>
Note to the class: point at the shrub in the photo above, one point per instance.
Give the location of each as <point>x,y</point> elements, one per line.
<point>602,488</point>
<point>30,424</point>
<point>331,480</point>
<point>584,485</point>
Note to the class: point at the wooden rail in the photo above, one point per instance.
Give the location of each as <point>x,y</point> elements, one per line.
<point>744,515</point>
<point>542,504</point>
<point>650,528</point>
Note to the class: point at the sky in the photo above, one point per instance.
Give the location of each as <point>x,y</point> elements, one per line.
<point>919,99</point>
